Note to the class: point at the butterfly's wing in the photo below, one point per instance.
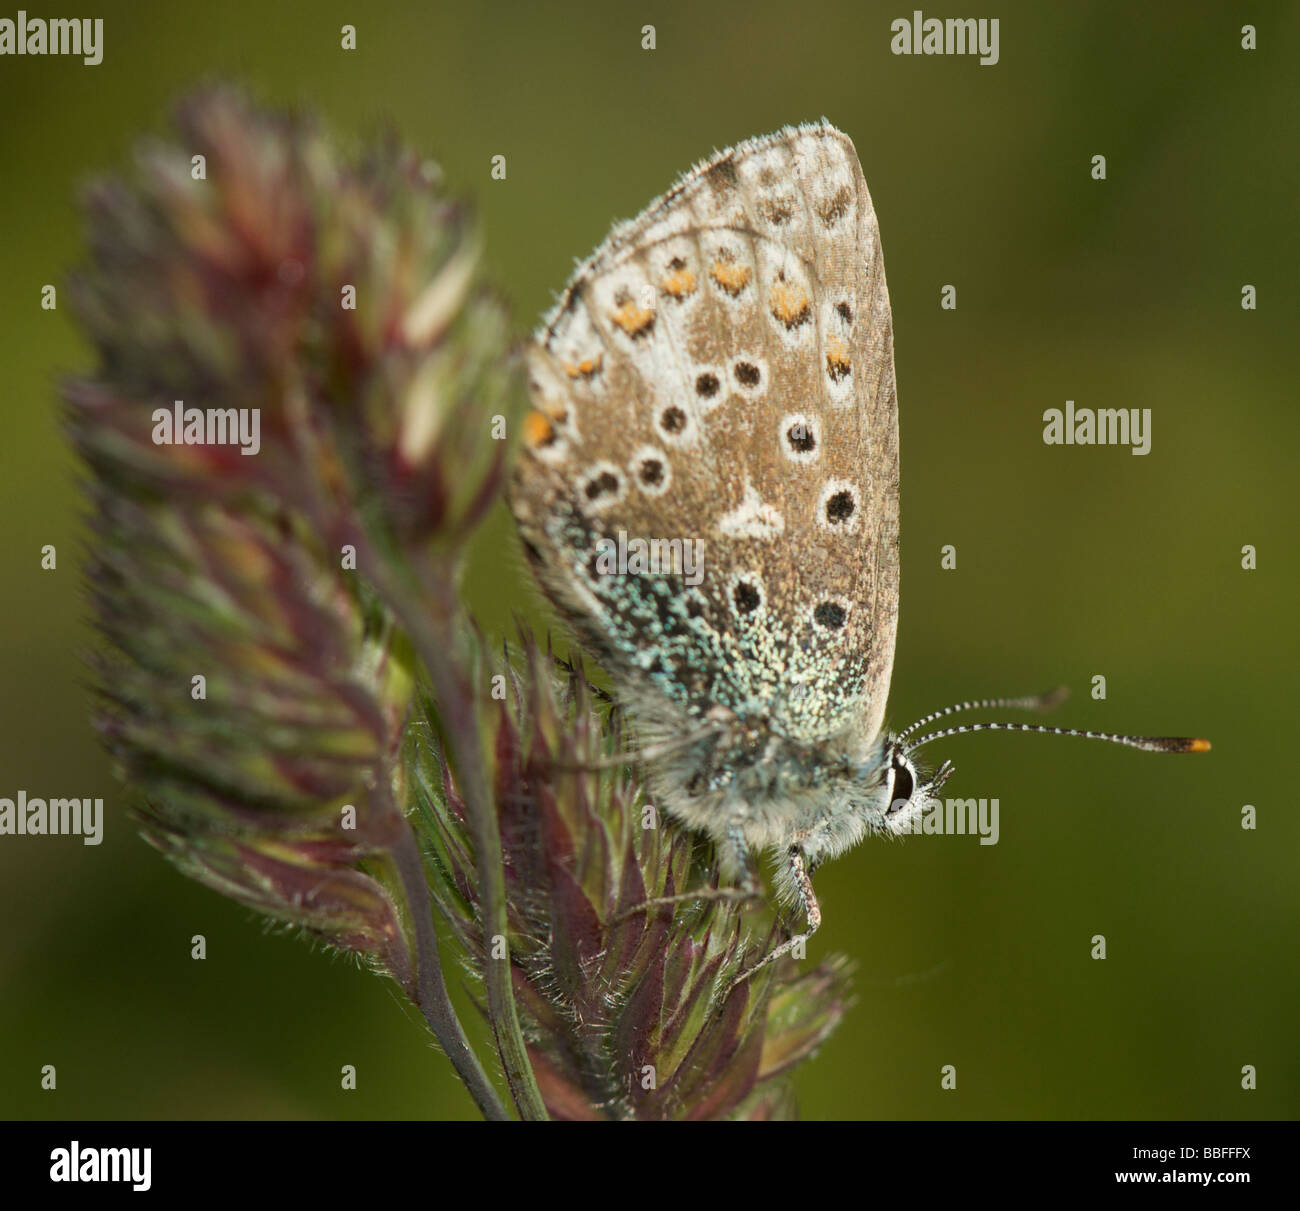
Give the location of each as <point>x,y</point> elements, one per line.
<point>721,371</point>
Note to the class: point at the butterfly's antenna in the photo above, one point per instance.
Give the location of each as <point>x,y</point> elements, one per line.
<point>1148,744</point>
<point>1033,702</point>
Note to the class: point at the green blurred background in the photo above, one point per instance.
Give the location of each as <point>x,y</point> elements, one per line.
<point>1071,561</point>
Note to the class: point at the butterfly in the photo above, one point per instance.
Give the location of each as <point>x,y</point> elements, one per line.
<point>715,388</point>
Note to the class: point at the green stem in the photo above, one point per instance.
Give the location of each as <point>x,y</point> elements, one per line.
<point>434,1002</point>
<point>432,996</point>
<point>432,627</point>
<point>432,620</point>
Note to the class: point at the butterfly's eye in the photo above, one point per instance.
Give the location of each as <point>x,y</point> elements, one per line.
<point>904,785</point>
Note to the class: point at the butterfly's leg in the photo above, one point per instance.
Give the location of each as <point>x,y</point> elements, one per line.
<point>736,864</point>
<point>801,882</point>
<point>733,895</point>
<point>733,863</point>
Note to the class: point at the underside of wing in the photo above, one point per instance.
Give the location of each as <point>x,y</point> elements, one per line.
<point>718,379</point>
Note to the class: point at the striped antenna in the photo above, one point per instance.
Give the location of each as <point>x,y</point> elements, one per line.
<point>1033,702</point>
<point>1147,744</point>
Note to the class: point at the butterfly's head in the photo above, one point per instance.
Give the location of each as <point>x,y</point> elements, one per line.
<point>905,790</point>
